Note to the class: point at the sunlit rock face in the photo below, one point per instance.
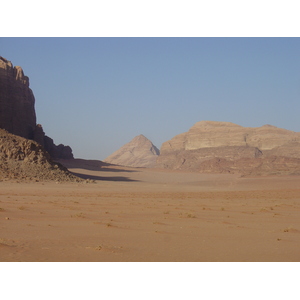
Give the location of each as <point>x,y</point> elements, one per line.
<point>209,134</point>
<point>139,152</point>
<point>25,159</point>
<point>226,147</point>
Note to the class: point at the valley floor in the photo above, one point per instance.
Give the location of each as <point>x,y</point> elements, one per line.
<point>151,215</point>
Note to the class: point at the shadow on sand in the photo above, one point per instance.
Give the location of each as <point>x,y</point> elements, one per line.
<point>92,165</point>
<point>102,178</point>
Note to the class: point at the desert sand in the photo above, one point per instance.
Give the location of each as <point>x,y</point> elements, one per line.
<point>147,215</point>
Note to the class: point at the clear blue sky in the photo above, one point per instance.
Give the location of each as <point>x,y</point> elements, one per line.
<point>96,94</point>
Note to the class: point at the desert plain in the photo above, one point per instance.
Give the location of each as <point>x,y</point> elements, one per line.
<point>150,215</point>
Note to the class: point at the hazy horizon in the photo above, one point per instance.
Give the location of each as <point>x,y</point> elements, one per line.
<point>97,94</point>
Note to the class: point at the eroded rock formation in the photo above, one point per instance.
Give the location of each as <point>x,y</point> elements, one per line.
<point>139,152</point>
<point>229,148</point>
<point>17,111</point>
<point>24,159</point>
<point>209,134</point>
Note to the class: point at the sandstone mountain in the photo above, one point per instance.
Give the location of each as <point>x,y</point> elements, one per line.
<point>24,159</point>
<point>226,147</point>
<point>17,112</point>
<point>139,152</point>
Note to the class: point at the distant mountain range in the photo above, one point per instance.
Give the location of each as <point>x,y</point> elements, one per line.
<point>218,147</point>
<point>223,147</point>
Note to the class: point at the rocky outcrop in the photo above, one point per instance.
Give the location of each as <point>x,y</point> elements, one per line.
<point>194,159</point>
<point>57,151</point>
<point>24,159</point>
<point>226,147</point>
<point>209,134</point>
<point>17,111</point>
<point>139,152</point>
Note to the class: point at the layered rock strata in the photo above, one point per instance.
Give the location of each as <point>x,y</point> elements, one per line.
<point>209,134</point>
<point>17,111</point>
<point>229,148</point>
<point>139,152</point>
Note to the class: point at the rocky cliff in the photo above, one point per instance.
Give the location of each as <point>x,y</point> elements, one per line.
<point>24,159</point>
<point>226,147</point>
<point>17,111</point>
<point>139,152</point>
<point>209,134</point>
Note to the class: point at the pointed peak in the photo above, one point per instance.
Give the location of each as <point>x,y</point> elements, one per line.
<point>139,152</point>
<point>141,138</point>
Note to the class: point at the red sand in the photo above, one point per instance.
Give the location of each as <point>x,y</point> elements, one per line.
<point>151,215</point>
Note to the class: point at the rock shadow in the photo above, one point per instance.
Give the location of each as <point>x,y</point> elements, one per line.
<point>92,165</point>
<point>103,178</point>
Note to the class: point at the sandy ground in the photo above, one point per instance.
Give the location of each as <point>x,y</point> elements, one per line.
<point>150,215</point>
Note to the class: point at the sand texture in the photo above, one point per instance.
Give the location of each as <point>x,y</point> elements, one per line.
<point>131,214</point>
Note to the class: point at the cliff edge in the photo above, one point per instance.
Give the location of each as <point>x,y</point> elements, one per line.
<point>17,111</point>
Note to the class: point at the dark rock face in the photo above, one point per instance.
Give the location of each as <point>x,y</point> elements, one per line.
<point>39,135</point>
<point>17,112</point>
<point>57,152</point>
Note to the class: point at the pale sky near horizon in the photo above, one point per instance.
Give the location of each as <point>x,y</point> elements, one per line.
<point>96,94</point>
